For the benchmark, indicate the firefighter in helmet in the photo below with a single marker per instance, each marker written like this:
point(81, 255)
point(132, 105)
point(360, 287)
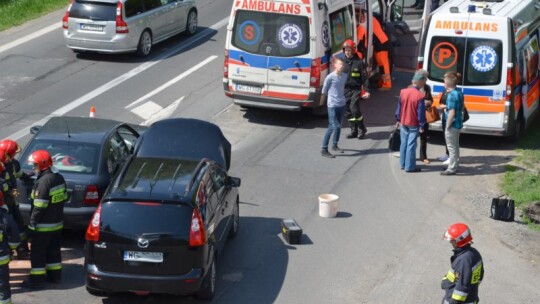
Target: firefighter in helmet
point(46, 221)
point(9, 240)
point(467, 269)
point(14, 172)
point(356, 87)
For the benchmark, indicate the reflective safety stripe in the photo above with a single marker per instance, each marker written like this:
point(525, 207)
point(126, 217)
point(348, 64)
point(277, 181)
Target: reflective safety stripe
point(38, 271)
point(352, 119)
point(446, 302)
point(41, 203)
point(13, 245)
point(6, 187)
point(58, 194)
point(450, 276)
point(355, 74)
point(459, 295)
point(1, 237)
point(48, 227)
point(476, 276)
point(4, 259)
point(54, 266)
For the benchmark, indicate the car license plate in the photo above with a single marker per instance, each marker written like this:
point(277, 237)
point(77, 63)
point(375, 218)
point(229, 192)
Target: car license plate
point(138, 256)
point(92, 27)
point(248, 89)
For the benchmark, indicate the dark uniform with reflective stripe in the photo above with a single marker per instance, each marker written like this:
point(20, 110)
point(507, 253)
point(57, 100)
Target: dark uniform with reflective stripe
point(9, 240)
point(14, 172)
point(463, 279)
point(46, 223)
point(357, 80)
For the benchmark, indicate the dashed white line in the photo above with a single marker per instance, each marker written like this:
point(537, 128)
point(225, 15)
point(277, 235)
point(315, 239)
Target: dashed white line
point(172, 81)
point(29, 37)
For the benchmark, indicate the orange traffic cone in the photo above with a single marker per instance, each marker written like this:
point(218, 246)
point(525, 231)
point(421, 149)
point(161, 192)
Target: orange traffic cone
point(92, 111)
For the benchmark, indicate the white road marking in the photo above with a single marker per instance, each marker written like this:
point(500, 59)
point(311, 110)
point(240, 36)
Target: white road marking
point(172, 81)
point(147, 109)
point(164, 113)
point(113, 83)
point(29, 37)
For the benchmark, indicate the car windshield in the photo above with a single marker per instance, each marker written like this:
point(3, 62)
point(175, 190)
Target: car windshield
point(271, 33)
point(479, 60)
point(67, 156)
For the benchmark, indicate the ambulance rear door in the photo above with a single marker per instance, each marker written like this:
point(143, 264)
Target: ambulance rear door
point(248, 63)
point(289, 56)
point(404, 27)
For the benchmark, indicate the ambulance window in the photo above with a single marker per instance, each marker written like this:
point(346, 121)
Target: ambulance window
point(271, 34)
point(480, 63)
point(484, 61)
point(341, 27)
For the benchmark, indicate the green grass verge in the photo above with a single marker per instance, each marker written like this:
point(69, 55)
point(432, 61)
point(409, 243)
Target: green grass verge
point(17, 12)
point(522, 180)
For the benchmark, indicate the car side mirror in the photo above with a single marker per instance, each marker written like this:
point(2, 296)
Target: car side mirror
point(35, 129)
point(397, 12)
point(234, 181)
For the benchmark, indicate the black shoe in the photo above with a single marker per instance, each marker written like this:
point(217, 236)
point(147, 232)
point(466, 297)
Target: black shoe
point(325, 153)
point(448, 172)
point(34, 286)
point(337, 149)
point(352, 135)
point(23, 254)
point(362, 134)
point(414, 170)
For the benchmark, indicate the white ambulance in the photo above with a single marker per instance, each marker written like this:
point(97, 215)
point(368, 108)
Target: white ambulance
point(278, 52)
point(494, 44)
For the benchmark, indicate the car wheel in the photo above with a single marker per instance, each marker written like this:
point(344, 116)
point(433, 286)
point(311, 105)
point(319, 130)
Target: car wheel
point(97, 293)
point(191, 26)
point(209, 284)
point(236, 221)
point(145, 44)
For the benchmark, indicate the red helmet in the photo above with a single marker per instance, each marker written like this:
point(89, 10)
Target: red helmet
point(42, 158)
point(10, 146)
point(3, 155)
point(459, 233)
point(349, 43)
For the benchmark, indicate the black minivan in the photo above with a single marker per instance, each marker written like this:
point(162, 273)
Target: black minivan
point(166, 216)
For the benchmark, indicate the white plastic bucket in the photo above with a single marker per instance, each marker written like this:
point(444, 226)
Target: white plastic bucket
point(328, 205)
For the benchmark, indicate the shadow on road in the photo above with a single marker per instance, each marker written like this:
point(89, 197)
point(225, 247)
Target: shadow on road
point(251, 269)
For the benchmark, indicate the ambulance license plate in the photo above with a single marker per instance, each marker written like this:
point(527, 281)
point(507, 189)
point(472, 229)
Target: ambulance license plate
point(138, 256)
point(248, 89)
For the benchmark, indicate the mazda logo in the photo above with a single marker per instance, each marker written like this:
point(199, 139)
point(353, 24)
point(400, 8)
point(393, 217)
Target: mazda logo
point(143, 243)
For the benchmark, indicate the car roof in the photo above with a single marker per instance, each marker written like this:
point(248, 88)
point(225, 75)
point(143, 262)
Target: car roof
point(82, 129)
point(185, 138)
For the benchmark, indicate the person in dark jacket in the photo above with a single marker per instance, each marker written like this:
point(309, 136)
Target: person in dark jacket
point(46, 222)
point(9, 240)
point(411, 117)
point(428, 100)
point(14, 172)
point(467, 269)
point(356, 87)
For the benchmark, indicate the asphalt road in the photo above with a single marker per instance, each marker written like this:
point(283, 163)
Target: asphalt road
point(383, 247)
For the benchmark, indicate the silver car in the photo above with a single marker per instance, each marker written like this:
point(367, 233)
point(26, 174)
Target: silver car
point(121, 26)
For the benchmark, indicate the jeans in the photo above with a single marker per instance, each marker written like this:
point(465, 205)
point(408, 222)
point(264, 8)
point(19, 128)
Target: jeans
point(407, 149)
point(452, 142)
point(335, 116)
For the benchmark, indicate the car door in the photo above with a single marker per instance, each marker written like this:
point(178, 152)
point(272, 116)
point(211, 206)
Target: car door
point(181, 11)
point(129, 136)
point(404, 27)
point(211, 212)
point(116, 152)
point(223, 206)
point(156, 18)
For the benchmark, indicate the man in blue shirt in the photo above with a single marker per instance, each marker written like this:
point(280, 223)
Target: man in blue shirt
point(453, 115)
point(334, 89)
